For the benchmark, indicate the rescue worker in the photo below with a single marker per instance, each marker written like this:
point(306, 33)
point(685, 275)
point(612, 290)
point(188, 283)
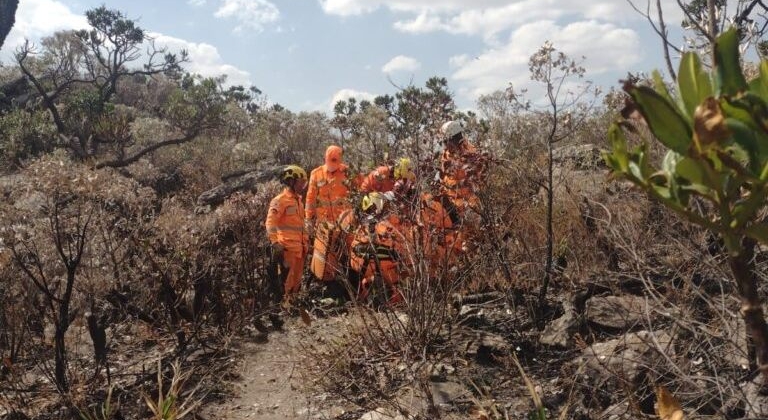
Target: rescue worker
point(461, 166)
point(327, 200)
point(427, 227)
point(383, 178)
point(375, 251)
point(328, 190)
point(285, 230)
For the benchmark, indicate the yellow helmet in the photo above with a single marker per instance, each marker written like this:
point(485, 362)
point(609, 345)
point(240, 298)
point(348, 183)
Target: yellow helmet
point(404, 169)
point(373, 199)
point(292, 172)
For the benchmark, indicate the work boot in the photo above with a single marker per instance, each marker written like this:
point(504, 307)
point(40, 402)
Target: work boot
point(277, 323)
point(262, 332)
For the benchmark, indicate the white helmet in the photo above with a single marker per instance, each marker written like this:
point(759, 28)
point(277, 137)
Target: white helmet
point(451, 129)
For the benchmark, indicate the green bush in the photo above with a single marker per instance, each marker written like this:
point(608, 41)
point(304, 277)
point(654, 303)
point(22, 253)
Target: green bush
point(715, 171)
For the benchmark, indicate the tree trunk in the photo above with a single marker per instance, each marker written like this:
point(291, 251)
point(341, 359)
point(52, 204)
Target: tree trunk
point(169, 298)
point(60, 357)
point(665, 42)
point(550, 231)
point(743, 268)
point(7, 18)
point(62, 325)
point(711, 26)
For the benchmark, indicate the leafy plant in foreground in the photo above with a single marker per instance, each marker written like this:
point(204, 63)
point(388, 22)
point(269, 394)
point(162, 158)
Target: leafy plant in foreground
point(716, 131)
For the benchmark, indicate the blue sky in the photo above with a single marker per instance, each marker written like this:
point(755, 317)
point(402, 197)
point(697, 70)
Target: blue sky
point(304, 54)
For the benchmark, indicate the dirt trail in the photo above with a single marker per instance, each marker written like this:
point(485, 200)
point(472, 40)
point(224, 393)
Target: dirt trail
point(270, 384)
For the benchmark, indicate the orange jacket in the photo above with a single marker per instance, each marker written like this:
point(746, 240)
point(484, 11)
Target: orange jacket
point(387, 239)
point(454, 166)
point(385, 250)
point(431, 226)
point(433, 215)
point(285, 222)
point(379, 179)
point(327, 194)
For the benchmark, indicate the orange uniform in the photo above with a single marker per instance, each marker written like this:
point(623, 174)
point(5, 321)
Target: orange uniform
point(332, 241)
point(378, 248)
point(432, 228)
point(285, 226)
point(327, 194)
point(380, 179)
point(458, 182)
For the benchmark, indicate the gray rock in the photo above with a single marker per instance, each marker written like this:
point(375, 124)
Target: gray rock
point(619, 411)
point(620, 312)
point(625, 356)
point(484, 345)
point(559, 331)
point(247, 183)
point(445, 396)
point(381, 414)
point(444, 393)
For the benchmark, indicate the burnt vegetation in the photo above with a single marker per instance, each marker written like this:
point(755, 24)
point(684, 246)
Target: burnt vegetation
point(133, 255)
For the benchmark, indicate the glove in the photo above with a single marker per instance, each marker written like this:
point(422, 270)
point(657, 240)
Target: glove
point(277, 250)
point(309, 227)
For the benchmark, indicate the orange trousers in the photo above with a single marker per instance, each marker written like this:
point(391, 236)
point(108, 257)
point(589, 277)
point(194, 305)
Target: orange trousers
point(293, 261)
point(389, 274)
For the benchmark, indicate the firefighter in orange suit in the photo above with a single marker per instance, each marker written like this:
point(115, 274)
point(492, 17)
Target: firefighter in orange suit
point(383, 178)
point(460, 168)
point(427, 227)
point(380, 179)
point(375, 251)
point(285, 229)
point(328, 190)
point(327, 200)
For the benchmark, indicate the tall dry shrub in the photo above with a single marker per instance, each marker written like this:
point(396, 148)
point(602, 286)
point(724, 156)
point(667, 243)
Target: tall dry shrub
point(206, 270)
point(60, 234)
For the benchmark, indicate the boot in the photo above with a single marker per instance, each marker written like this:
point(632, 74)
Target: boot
point(277, 322)
point(262, 332)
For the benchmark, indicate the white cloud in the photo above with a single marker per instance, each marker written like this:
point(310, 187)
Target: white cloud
point(348, 7)
point(458, 60)
point(252, 14)
point(488, 18)
point(204, 59)
point(401, 63)
point(196, 2)
point(345, 94)
point(356, 7)
point(424, 22)
point(498, 66)
point(36, 19)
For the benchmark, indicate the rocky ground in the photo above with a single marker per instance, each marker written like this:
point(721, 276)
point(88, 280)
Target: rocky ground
point(599, 358)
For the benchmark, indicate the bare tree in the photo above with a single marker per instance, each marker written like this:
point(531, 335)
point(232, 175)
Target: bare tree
point(703, 21)
point(566, 109)
point(7, 17)
point(77, 75)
